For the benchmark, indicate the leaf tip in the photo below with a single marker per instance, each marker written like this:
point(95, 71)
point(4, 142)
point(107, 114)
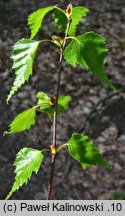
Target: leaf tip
point(5, 132)
point(8, 195)
point(7, 100)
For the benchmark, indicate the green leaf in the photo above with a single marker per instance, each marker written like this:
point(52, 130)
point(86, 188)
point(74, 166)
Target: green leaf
point(23, 55)
point(89, 51)
point(61, 19)
point(35, 19)
point(43, 100)
point(63, 102)
point(28, 160)
point(23, 121)
point(77, 15)
point(82, 149)
point(46, 105)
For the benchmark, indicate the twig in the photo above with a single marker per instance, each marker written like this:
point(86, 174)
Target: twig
point(53, 146)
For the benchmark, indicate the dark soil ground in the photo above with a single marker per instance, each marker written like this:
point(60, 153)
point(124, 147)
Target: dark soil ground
point(95, 110)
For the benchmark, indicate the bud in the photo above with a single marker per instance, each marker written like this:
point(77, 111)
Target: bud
point(57, 40)
point(69, 10)
point(53, 149)
point(53, 100)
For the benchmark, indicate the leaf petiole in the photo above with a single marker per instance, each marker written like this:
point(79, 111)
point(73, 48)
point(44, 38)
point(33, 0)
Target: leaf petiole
point(62, 146)
point(36, 106)
point(46, 40)
point(46, 150)
point(74, 38)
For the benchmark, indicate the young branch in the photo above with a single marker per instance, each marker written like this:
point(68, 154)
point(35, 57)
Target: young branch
point(54, 146)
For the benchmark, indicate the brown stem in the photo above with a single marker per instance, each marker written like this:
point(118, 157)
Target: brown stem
point(55, 115)
point(51, 176)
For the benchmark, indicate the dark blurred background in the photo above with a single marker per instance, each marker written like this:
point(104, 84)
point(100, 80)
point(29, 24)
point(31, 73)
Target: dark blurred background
point(95, 110)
